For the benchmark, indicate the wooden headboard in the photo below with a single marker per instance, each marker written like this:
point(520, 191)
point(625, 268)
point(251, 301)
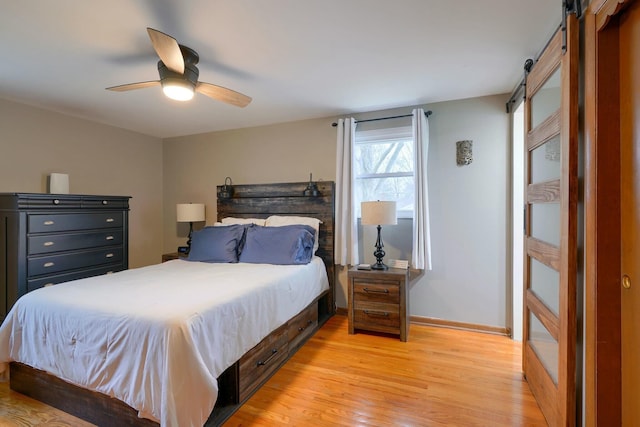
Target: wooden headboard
point(263, 200)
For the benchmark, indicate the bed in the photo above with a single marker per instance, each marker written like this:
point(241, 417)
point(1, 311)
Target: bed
point(238, 345)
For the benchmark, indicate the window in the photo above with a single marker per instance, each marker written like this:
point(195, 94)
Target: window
point(383, 167)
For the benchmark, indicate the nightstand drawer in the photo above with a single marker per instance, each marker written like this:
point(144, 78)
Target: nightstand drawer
point(381, 318)
point(368, 290)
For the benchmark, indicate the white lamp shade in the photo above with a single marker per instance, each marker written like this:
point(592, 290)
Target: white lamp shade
point(379, 213)
point(190, 212)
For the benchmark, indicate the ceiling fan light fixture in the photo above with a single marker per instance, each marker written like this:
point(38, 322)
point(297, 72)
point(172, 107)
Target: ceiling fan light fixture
point(178, 90)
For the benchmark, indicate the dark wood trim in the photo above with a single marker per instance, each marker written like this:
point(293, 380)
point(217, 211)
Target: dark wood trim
point(544, 252)
point(603, 366)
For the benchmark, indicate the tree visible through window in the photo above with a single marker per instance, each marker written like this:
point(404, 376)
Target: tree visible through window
point(383, 167)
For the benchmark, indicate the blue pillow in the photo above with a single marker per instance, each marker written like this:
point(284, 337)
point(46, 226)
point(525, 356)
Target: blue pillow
point(289, 244)
point(216, 244)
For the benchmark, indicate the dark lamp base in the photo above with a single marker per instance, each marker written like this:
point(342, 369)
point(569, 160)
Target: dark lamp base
point(379, 266)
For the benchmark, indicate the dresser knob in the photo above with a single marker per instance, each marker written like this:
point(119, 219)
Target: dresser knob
point(104, 202)
point(48, 244)
point(109, 255)
point(109, 238)
point(56, 201)
point(48, 223)
point(48, 264)
point(109, 219)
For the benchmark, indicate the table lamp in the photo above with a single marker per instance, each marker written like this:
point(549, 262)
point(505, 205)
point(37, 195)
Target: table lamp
point(190, 212)
point(379, 213)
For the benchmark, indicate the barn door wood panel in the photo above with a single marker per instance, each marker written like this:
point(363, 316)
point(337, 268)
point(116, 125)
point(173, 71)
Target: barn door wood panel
point(551, 120)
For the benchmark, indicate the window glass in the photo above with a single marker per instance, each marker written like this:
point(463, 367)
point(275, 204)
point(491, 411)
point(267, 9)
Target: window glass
point(383, 167)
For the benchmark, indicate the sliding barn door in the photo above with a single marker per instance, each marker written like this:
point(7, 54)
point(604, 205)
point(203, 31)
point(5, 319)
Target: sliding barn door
point(549, 339)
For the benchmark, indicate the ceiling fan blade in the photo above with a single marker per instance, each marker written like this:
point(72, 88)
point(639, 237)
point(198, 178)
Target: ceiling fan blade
point(132, 86)
point(167, 49)
point(223, 94)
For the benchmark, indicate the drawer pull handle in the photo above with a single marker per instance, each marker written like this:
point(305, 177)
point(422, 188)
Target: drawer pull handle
point(48, 284)
point(48, 222)
point(48, 243)
point(268, 359)
point(109, 238)
point(376, 313)
point(377, 291)
point(56, 201)
point(109, 255)
point(110, 219)
point(104, 202)
point(302, 328)
point(48, 264)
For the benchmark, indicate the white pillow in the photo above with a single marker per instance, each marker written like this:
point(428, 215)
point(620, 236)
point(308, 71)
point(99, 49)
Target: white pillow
point(277, 221)
point(231, 220)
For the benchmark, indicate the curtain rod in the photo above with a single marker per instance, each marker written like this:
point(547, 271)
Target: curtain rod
point(426, 113)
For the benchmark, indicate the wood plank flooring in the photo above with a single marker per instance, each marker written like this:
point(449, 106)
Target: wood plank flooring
point(439, 377)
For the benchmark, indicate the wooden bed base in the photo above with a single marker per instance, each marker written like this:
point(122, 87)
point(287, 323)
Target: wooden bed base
point(242, 379)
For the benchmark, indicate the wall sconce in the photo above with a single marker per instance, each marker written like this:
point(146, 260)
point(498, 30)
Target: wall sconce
point(189, 212)
point(226, 191)
point(312, 188)
point(379, 213)
point(464, 152)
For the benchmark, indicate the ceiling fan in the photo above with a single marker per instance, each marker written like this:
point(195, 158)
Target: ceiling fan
point(179, 74)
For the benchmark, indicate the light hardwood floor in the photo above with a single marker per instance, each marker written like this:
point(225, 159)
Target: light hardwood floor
point(439, 377)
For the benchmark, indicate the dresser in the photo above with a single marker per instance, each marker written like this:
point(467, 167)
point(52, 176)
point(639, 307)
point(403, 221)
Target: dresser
point(379, 301)
point(47, 239)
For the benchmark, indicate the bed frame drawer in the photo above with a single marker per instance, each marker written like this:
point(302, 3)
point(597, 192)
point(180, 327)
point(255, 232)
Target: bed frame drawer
point(302, 326)
point(258, 363)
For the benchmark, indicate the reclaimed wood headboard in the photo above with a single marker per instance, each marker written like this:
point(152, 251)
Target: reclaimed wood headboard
point(263, 200)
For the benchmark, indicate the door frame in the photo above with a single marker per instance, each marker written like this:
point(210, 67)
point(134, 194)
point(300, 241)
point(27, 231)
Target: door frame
point(603, 345)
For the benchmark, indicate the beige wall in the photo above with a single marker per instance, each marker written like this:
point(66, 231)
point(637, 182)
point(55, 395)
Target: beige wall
point(99, 160)
point(195, 165)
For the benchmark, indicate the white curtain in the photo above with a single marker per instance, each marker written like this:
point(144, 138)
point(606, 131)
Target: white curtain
point(346, 235)
point(421, 256)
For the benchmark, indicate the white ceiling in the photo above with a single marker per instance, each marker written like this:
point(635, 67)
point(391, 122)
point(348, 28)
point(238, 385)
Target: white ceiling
point(297, 59)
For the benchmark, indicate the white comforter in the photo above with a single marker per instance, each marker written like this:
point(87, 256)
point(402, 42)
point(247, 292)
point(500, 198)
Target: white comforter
point(157, 337)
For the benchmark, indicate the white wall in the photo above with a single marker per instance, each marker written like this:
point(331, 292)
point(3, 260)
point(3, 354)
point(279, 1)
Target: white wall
point(469, 215)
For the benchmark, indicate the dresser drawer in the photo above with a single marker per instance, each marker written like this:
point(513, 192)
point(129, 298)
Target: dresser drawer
point(368, 290)
point(259, 362)
point(105, 203)
point(54, 279)
point(73, 260)
point(43, 244)
point(303, 325)
point(45, 223)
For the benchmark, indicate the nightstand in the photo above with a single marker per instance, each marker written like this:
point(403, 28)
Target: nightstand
point(378, 301)
point(173, 255)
